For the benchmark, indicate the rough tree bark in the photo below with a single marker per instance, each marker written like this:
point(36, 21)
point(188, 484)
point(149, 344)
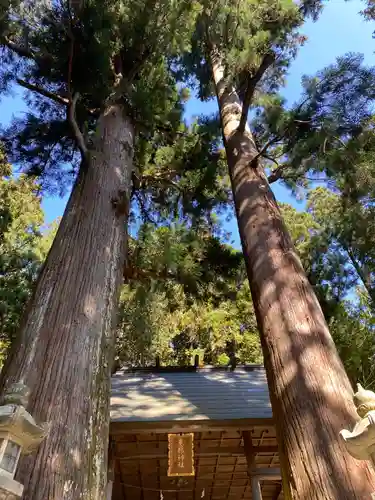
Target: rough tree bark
point(65, 348)
point(310, 392)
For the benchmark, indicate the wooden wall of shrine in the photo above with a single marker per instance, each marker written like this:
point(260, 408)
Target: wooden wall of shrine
point(221, 458)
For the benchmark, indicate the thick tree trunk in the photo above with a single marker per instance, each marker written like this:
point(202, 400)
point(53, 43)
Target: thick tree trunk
point(65, 348)
point(310, 393)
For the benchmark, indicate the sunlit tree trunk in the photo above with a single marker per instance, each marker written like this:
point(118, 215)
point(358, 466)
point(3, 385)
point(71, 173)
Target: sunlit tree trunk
point(310, 392)
point(65, 348)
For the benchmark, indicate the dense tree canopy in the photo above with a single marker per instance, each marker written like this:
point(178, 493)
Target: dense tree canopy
point(185, 293)
point(180, 172)
point(22, 245)
point(190, 298)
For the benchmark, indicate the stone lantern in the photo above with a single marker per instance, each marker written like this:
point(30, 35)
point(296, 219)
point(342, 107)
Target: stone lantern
point(19, 434)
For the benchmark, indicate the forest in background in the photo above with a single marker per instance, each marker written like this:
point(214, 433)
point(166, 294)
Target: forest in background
point(186, 291)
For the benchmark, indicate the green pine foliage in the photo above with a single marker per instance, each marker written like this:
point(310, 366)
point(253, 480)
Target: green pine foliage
point(329, 136)
point(352, 329)
point(329, 132)
point(101, 51)
point(186, 295)
point(179, 170)
point(181, 175)
point(255, 40)
point(23, 247)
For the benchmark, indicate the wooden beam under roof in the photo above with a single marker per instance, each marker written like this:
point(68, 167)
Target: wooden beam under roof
point(211, 451)
point(161, 427)
point(146, 474)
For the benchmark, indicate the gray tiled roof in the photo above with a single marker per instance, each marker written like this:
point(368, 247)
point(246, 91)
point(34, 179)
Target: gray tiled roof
point(206, 394)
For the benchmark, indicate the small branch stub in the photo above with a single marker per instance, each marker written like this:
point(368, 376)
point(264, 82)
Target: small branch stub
point(360, 443)
point(121, 203)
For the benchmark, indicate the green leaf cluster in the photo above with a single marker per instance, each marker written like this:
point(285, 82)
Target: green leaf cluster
point(188, 297)
point(23, 247)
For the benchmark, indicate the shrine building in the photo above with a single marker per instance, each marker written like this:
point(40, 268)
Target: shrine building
point(192, 433)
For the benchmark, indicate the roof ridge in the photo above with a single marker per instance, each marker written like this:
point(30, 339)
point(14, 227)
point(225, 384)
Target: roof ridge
point(189, 369)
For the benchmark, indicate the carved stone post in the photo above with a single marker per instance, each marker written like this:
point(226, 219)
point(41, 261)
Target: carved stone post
point(19, 433)
point(360, 443)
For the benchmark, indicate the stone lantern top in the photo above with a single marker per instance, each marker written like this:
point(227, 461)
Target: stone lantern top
point(19, 433)
point(17, 422)
point(17, 394)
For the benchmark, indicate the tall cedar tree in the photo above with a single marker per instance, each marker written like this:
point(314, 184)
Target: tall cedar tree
point(94, 69)
point(241, 49)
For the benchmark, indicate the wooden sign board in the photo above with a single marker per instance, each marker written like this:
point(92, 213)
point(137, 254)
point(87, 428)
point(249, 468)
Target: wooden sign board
point(181, 455)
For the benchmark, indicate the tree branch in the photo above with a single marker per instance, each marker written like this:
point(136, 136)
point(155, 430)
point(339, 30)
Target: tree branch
point(139, 62)
point(252, 82)
point(18, 49)
point(49, 154)
point(314, 180)
point(238, 23)
point(73, 123)
point(357, 267)
point(270, 158)
point(276, 174)
point(144, 212)
point(150, 180)
point(263, 151)
point(44, 92)
point(50, 95)
point(226, 31)
point(23, 51)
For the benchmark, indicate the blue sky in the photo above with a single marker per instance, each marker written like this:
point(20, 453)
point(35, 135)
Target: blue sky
point(340, 29)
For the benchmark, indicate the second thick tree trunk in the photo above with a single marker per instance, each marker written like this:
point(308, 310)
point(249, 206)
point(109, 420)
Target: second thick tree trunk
point(65, 347)
point(310, 392)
